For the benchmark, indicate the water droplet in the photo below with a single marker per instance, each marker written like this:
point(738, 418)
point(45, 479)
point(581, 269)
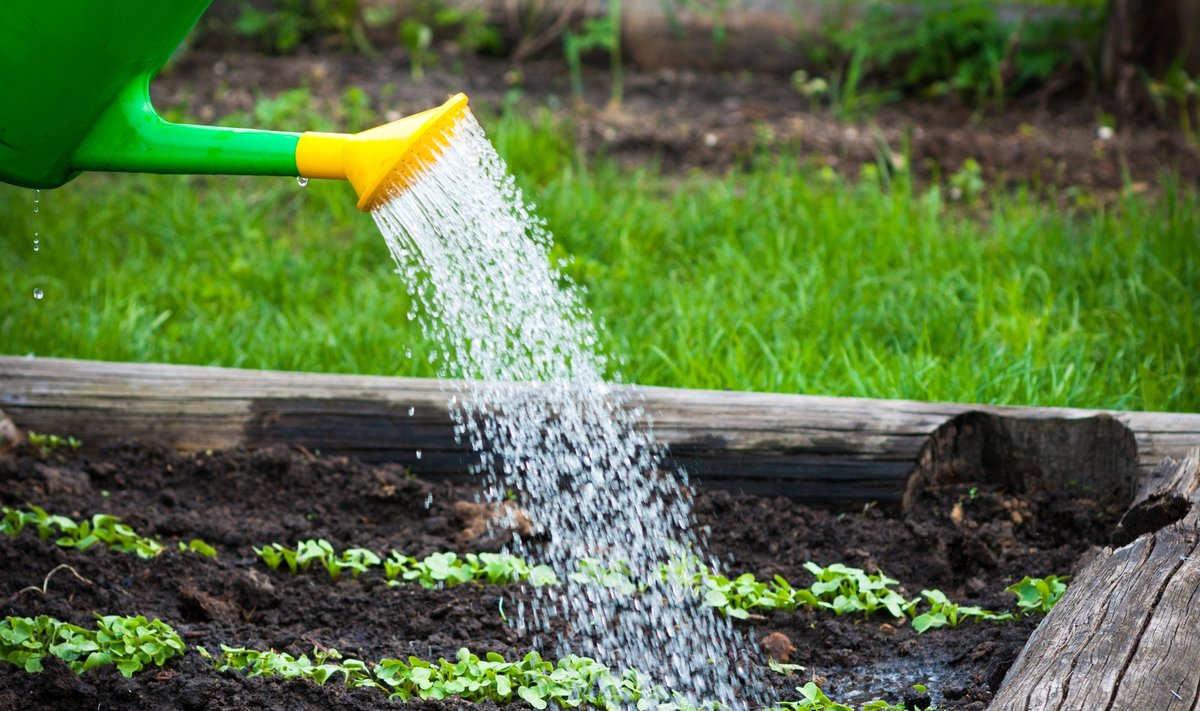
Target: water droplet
point(418, 454)
point(37, 245)
point(408, 353)
point(429, 501)
point(38, 293)
point(301, 181)
point(37, 197)
point(411, 411)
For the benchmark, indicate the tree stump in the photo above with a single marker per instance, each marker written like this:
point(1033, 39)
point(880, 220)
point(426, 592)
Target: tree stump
point(1124, 636)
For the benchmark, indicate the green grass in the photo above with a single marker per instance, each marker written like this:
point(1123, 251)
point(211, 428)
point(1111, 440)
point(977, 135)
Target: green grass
point(778, 278)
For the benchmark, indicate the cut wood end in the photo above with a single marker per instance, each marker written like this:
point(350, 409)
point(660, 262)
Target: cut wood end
point(1169, 495)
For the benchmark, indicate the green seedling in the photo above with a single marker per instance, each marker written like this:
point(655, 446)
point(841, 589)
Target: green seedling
point(325, 665)
point(102, 528)
point(782, 668)
point(435, 570)
point(571, 682)
point(812, 699)
point(198, 547)
point(47, 443)
point(275, 554)
point(357, 561)
point(1038, 594)
point(614, 576)
point(441, 569)
point(943, 613)
point(844, 589)
point(737, 597)
point(396, 565)
point(838, 588)
point(129, 643)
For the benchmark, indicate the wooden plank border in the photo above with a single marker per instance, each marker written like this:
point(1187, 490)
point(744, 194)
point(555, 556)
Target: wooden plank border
point(820, 449)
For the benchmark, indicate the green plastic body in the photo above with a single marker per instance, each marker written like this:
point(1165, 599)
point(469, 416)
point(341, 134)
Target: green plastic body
point(74, 79)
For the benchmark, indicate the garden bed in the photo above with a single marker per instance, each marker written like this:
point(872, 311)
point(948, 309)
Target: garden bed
point(968, 541)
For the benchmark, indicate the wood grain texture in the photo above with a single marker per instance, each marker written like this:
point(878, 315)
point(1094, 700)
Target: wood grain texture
point(1124, 636)
point(822, 449)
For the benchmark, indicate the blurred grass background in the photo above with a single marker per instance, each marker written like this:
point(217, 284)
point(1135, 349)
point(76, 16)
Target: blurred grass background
point(776, 277)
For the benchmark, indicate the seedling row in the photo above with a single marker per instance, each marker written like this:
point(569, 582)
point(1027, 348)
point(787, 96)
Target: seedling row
point(838, 588)
point(132, 644)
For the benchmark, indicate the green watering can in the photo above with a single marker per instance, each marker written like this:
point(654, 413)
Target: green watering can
point(75, 78)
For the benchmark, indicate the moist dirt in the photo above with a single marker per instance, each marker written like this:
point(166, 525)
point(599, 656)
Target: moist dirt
point(971, 543)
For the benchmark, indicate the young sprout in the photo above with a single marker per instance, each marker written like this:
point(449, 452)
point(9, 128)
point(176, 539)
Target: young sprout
point(199, 547)
point(47, 443)
point(102, 528)
point(1038, 595)
point(129, 643)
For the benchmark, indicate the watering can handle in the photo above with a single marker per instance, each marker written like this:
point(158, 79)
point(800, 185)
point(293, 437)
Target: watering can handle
point(130, 136)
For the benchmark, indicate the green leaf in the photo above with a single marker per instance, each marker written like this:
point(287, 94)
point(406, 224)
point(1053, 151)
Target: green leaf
point(503, 686)
point(201, 548)
point(532, 697)
point(928, 620)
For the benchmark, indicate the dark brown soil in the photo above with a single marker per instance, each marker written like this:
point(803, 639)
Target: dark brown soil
point(971, 544)
point(682, 120)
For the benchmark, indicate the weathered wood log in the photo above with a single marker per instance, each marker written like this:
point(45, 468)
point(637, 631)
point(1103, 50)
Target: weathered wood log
point(821, 449)
point(1124, 634)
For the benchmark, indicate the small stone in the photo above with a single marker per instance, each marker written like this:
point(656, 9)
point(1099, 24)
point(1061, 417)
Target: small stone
point(64, 481)
point(482, 521)
point(777, 647)
point(976, 585)
point(10, 436)
point(255, 591)
point(956, 514)
point(199, 605)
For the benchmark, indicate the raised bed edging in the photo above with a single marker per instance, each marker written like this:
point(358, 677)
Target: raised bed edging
point(820, 449)
point(1124, 634)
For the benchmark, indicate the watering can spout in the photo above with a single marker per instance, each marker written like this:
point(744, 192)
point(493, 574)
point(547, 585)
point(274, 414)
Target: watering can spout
point(383, 160)
point(130, 136)
point(76, 98)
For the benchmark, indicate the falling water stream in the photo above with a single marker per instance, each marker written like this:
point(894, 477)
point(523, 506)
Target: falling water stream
point(530, 396)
